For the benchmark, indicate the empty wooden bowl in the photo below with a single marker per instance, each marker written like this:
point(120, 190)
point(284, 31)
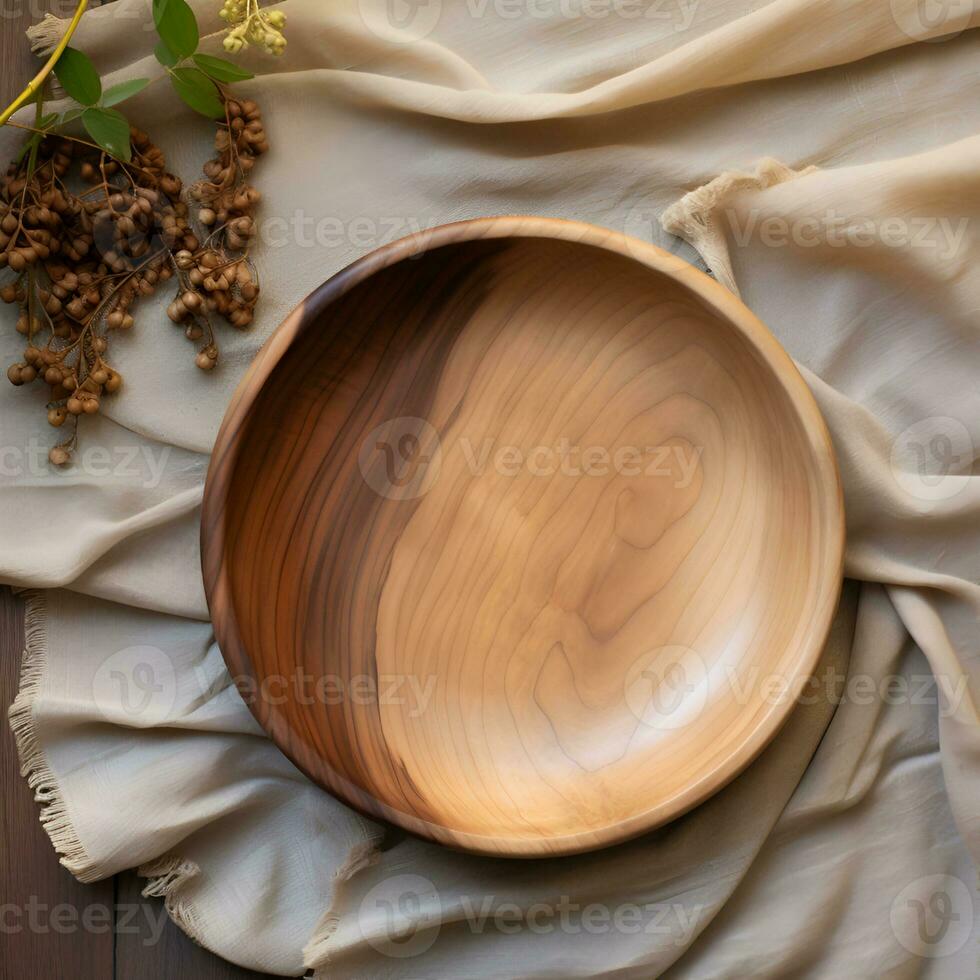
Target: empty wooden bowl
point(519, 534)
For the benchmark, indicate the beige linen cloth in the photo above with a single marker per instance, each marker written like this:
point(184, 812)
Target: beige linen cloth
point(822, 155)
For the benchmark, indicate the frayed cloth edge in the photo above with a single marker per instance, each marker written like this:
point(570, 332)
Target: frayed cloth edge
point(54, 815)
point(695, 216)
point(317, 952)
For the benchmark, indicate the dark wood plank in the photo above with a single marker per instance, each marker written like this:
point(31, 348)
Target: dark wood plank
point(51, 927)
point(17, 64)
point(145, 951)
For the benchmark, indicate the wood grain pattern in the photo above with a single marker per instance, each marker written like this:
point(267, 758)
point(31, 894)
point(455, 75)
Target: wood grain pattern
point(506, 525)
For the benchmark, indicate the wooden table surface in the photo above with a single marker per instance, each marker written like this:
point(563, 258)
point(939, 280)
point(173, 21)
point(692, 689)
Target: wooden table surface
point(52, 927)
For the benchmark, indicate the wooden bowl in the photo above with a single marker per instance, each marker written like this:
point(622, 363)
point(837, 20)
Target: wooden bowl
point(515, 531)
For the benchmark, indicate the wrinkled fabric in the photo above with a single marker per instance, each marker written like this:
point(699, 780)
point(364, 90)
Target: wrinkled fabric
point(849, 847)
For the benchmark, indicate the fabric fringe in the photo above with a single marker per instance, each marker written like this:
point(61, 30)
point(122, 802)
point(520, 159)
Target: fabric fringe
point(694, 216)
point(45, 35)
point(316, 953)
point(168, 875)
point(34, 767)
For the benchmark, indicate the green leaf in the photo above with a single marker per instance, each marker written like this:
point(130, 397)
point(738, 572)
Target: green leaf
point(110, 130)
point(45, 121)
point(177, 26)
point(164, 55)
point(198, 91)
point(78, 76)
point(70, 115)
point(218, 68)
point(124, 90)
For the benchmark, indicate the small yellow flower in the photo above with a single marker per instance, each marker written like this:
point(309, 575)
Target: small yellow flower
point(253, 26)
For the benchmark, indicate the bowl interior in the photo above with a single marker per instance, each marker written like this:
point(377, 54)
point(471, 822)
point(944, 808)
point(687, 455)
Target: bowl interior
point(516, 534)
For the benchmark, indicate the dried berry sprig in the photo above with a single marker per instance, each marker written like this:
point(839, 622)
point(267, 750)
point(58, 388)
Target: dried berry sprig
point(221, 277)
point(83, 259)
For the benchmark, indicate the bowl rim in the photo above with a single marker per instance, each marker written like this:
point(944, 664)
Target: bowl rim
point(728, 307)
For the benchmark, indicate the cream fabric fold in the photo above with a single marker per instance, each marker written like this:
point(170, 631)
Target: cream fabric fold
point(838, 120)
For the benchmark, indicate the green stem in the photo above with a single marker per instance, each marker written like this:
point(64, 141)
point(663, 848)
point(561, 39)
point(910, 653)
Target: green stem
point(31, 166)
point(36, 145)
point(38, 80)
